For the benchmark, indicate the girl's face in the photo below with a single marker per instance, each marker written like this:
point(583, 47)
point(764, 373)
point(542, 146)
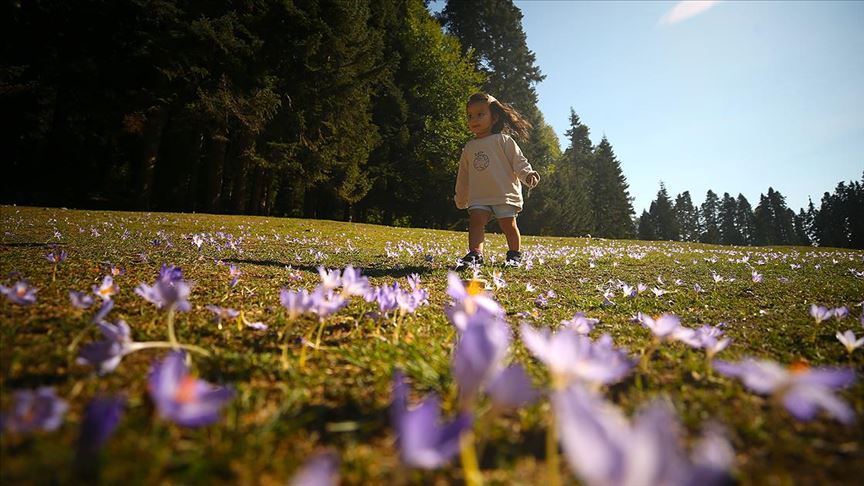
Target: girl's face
point(480, 119)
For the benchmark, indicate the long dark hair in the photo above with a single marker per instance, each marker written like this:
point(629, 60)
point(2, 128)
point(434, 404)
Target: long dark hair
point(509, 120)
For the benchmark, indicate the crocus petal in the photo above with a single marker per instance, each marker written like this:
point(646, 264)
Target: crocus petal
point(511, 388)
point(321, 470)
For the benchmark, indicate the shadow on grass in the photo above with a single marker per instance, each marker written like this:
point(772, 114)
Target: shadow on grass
point(30, 245)
point(393, 272)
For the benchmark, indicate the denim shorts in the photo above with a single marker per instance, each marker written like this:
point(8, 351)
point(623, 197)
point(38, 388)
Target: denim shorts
point(497, 210)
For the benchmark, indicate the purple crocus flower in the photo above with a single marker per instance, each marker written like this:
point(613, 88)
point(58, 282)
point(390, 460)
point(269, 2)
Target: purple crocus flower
point(33, 410)
point(413, 281)
point(56, 256)
point(469, 299)
point(169, 290)
point(756, 276)
point(479, 355)
point(330, 279)
point(234, 273)
point(170, 273)
point(511, 388)
point(105, 355)
point(628, 291)
point(101, 417)
point(296, 301)
point(423, 440)
point(222, 313)
point(802, 389)
point(107, 288)
point(325, 303)
point(840, 312)
point(80, 300)
point(820, 313)
point(321, 470)
point(21, 293)
point(662, 327)
point(103, 311)
point(604, 448)
point(353, 283)
point(182, 398)
point(572, 357)
point(580, 323)
point(848, 339)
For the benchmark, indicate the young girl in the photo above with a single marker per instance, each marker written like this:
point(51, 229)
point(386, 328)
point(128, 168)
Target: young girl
point(491, 171)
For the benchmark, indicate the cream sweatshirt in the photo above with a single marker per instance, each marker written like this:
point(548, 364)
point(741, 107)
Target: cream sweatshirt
point(491, 171)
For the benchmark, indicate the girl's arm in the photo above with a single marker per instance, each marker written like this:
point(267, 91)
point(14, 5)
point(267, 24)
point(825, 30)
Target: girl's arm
point(519, 162)
point(461, 197)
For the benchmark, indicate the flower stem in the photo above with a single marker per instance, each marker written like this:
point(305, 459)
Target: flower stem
point(172, 338)
point(320, 331)
point(470, 464)
point(284, 361)
point(166, 344)
point(552, 460)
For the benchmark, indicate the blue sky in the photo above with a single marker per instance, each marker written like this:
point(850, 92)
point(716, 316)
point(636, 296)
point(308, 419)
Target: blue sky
point(730, 96)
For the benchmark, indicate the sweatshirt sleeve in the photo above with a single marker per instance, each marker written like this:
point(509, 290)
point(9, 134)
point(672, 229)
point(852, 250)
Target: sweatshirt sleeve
point(518, 162)
point(461, 197)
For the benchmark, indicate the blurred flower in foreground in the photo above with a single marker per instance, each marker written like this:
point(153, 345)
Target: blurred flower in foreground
point(424, 442)
point(478, 362)
point(100, 420)
point(320, 470)
point(604, 448)
point(21, 293)
point(181, 397)
point(105, 355)
point(573, 357)
point(32, 410)
point(803, 390)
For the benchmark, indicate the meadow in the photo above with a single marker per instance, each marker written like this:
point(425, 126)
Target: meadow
point(300, 381)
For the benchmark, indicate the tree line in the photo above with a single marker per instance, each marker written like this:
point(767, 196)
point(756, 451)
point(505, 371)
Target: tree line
point(332, 109)
point(839, 221)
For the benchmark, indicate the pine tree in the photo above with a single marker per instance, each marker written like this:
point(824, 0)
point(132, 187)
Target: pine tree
point(613, 207)
point(783, 227)
point(729, 232)
point(710, 221)
point(763, 222)
point(563, 202)
point(663, 216)
point(646, 226)
point(744, 220)
point(800, 225)
point(687, 217)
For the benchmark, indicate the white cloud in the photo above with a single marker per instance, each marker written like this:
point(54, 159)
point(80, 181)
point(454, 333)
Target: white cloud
point(685, 9)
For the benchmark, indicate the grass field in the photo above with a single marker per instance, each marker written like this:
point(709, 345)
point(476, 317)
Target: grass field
point(282, 413)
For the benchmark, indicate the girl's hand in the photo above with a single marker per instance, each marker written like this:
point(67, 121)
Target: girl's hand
point(532, 180)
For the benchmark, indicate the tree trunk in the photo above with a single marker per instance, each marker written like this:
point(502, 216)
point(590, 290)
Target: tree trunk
point(242, 164)
point(216, 144)
point(154, 122)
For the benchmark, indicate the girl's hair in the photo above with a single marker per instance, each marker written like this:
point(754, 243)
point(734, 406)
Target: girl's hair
point(508, 118)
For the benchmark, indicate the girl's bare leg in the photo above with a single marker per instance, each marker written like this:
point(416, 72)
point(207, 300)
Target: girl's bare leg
point(511, 232)
point(477, 229)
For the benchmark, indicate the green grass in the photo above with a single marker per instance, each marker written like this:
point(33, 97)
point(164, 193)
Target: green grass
point(340, 399)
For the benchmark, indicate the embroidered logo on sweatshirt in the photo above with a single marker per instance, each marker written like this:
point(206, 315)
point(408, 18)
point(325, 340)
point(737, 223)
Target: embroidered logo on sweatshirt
point(481, 160)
